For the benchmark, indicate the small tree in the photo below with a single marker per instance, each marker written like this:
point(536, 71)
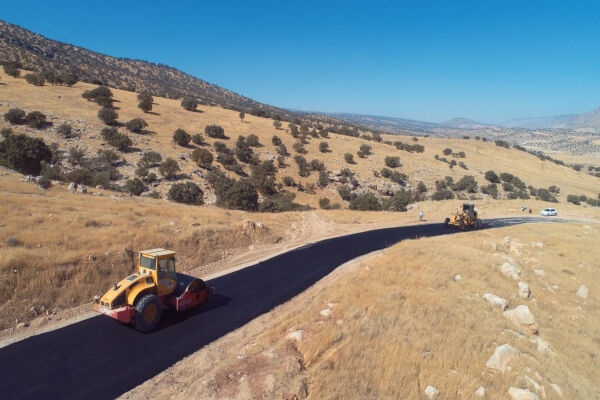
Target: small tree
point(198, 139)
point(323, 147)
point(169, 168)
point(120, 141)
point(24, 154)
point(242, 115)
point(189, 103)
point(421, 188)
point(468, 183)
point(108, 115)
point(11, 68)
point(6, 132)
point(181, 137)
point(252, 140)
point(277, 124)
point(392, 162)
point(35, 79)
point(492, 177)
point(70, 79)
point(15, 116)
point(136, 125)
point(299, 148)
point(186, 193)
point(323, 179)
point(349, 158)
point(36, 119)
point(506, 177)
point(364, 150)
point(202, 157)
point(146, 105)
point(275, 140)
point(365, 202)
point(135, 186)
point(215, 131)
point(447, 151)
point(282, 150)
point(65, 131)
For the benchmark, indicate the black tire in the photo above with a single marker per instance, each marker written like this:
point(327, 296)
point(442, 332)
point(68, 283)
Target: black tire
point(148, 312)
point(446, 222)
point(461, 225)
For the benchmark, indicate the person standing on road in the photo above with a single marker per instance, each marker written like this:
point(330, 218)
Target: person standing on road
point(420, 215)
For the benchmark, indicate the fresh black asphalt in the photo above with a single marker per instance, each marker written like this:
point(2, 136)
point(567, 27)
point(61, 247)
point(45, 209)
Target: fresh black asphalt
point(100, 359)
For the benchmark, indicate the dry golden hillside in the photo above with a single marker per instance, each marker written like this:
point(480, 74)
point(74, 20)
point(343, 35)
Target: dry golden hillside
point(65, 105)
point(416, 315)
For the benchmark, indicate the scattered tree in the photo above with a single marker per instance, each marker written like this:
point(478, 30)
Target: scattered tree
point(135, 186)
point(108, 115)
point(215, 131)
point(186, 193)
point(323, 147)
point(36, 119)
point(349, 158)
point(392, 162)
point(169, 168)
point(35, 79)
point(15, 116)
point(136, 125)
point(189, 103)
point(24, 154)
point(202, 157)
point(181, 137)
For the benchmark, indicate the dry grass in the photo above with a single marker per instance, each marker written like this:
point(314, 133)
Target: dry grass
point(400, 322)
point(66, 104)
point(50, 268)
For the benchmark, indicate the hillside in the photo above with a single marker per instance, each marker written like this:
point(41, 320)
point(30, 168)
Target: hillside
point(464, 123)
point(35, 52)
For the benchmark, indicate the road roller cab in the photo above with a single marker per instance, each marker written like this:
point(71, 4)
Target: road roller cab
point(140, 298)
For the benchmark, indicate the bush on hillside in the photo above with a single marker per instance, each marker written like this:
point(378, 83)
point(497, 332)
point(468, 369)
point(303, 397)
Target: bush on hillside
point(135, 186)
point(365, 202)
point(252, 141)
point(399, 201)
point(24, 154)
point(108, 115)
point(215, 131)
point(492, 177)
point(35, 79)
point(36, 119)
point(346, 193)
point(11, 68)
point(442, 194)
point(364, 150)
point(186, 193)
point(392, 162)
point(15, 116)
point(189, 103)
point(447, 151)
point(468, 183)
point(181, 137)
point(323, 147)
point(202, 157)
point(65, 131)
point(349, 158)
point(169, 168)
point(136, 125)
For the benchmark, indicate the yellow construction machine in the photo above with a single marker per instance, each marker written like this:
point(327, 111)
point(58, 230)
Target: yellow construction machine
point(468, 218)
point(140, 298)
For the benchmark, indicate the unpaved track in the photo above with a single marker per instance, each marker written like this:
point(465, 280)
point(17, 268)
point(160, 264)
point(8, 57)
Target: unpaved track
point(98, 358)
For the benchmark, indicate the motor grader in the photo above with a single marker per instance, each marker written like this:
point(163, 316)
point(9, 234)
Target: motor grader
point(468, 218)
point(140, 298)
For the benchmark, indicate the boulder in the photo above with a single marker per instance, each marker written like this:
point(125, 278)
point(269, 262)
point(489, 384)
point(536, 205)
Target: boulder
point(524, 290)
point(502, 357)
point(326, 312)
point(510, 271)
point(539, 272)
point(521, 394)
point(523, 318)
point(296, 335)
point(496, 301)
point(82, 189)
point(431, 392)
point(582, 292)
point(248, 226)
point(556, 389)
point(480, 392)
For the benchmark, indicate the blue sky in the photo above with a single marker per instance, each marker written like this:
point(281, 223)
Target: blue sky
point(485, 60)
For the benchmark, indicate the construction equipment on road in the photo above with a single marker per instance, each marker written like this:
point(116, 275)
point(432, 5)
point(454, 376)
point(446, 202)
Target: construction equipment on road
point(468, 218)
point(140, 298)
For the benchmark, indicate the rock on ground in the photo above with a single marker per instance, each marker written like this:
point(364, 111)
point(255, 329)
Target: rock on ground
point(496, 300)
point(431, 392)
point(502, 357)
point(582, 292)
point(524, 290)
point(480, 392)
point(522, 317)
point(557, 389)
point(521, 394)
point(296, 335)
point(510, 271)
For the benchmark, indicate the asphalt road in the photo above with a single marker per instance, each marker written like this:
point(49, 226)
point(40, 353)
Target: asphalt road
point(100, 359)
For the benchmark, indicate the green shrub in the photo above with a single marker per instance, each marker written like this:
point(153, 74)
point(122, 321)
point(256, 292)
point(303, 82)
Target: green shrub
point(491, 189)
point(282, 150)
point(317, 165)
point(365, 202)
point(324, 147)
point(11, 68)
point(275, 140)
point(108, 156)
point(36, 119)
point(421, 188)
point(281, 203)
point(24, 154)
point(506, 177)
point(136, 125)
point(447, 151)
point(468, 183)
point(501, 143)
point(186, 193)
point(15, 116)
point(44, 182)
point(252, 141)
point(303, 168)
point(463, 165)
point(202, 157)
point(323, 179)
point(261, 176)
point(76, 155)
point(554, 189)
point(181, 137)
point(65, 131)
point(169, 168)
point(135, 186)
point(364, 150)
point(399, 201)
point(545, 195)
point(189, 103)
point(215, 131)
point(508, 187)
point(325, 203)
point(277, 124)
point(241, 195)
point(492, 177)
point(35, 79)
point(392, 162)
point(6, 132)
point(198, 139)
point(108, 115)
point(346, 193)
point(299, 148)
point(349, 158)
point(146, 104)
point(114, 138)
point(442, 194)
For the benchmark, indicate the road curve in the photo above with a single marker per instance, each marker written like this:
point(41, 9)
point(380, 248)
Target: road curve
point(98, 358)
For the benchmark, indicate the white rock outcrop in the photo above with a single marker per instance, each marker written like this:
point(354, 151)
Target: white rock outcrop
point(502, 357)
point(480, 392)
point(510, 271)
point(582, 292)
point(296, 335)
point(431, 392)
point(556, 389)
point(326, 312)
point(496, 300)
point(524, 290)
point(521, 394)
point(523, 318)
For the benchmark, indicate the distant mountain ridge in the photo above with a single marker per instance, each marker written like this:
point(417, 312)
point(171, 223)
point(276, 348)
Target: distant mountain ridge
point(464, 123)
